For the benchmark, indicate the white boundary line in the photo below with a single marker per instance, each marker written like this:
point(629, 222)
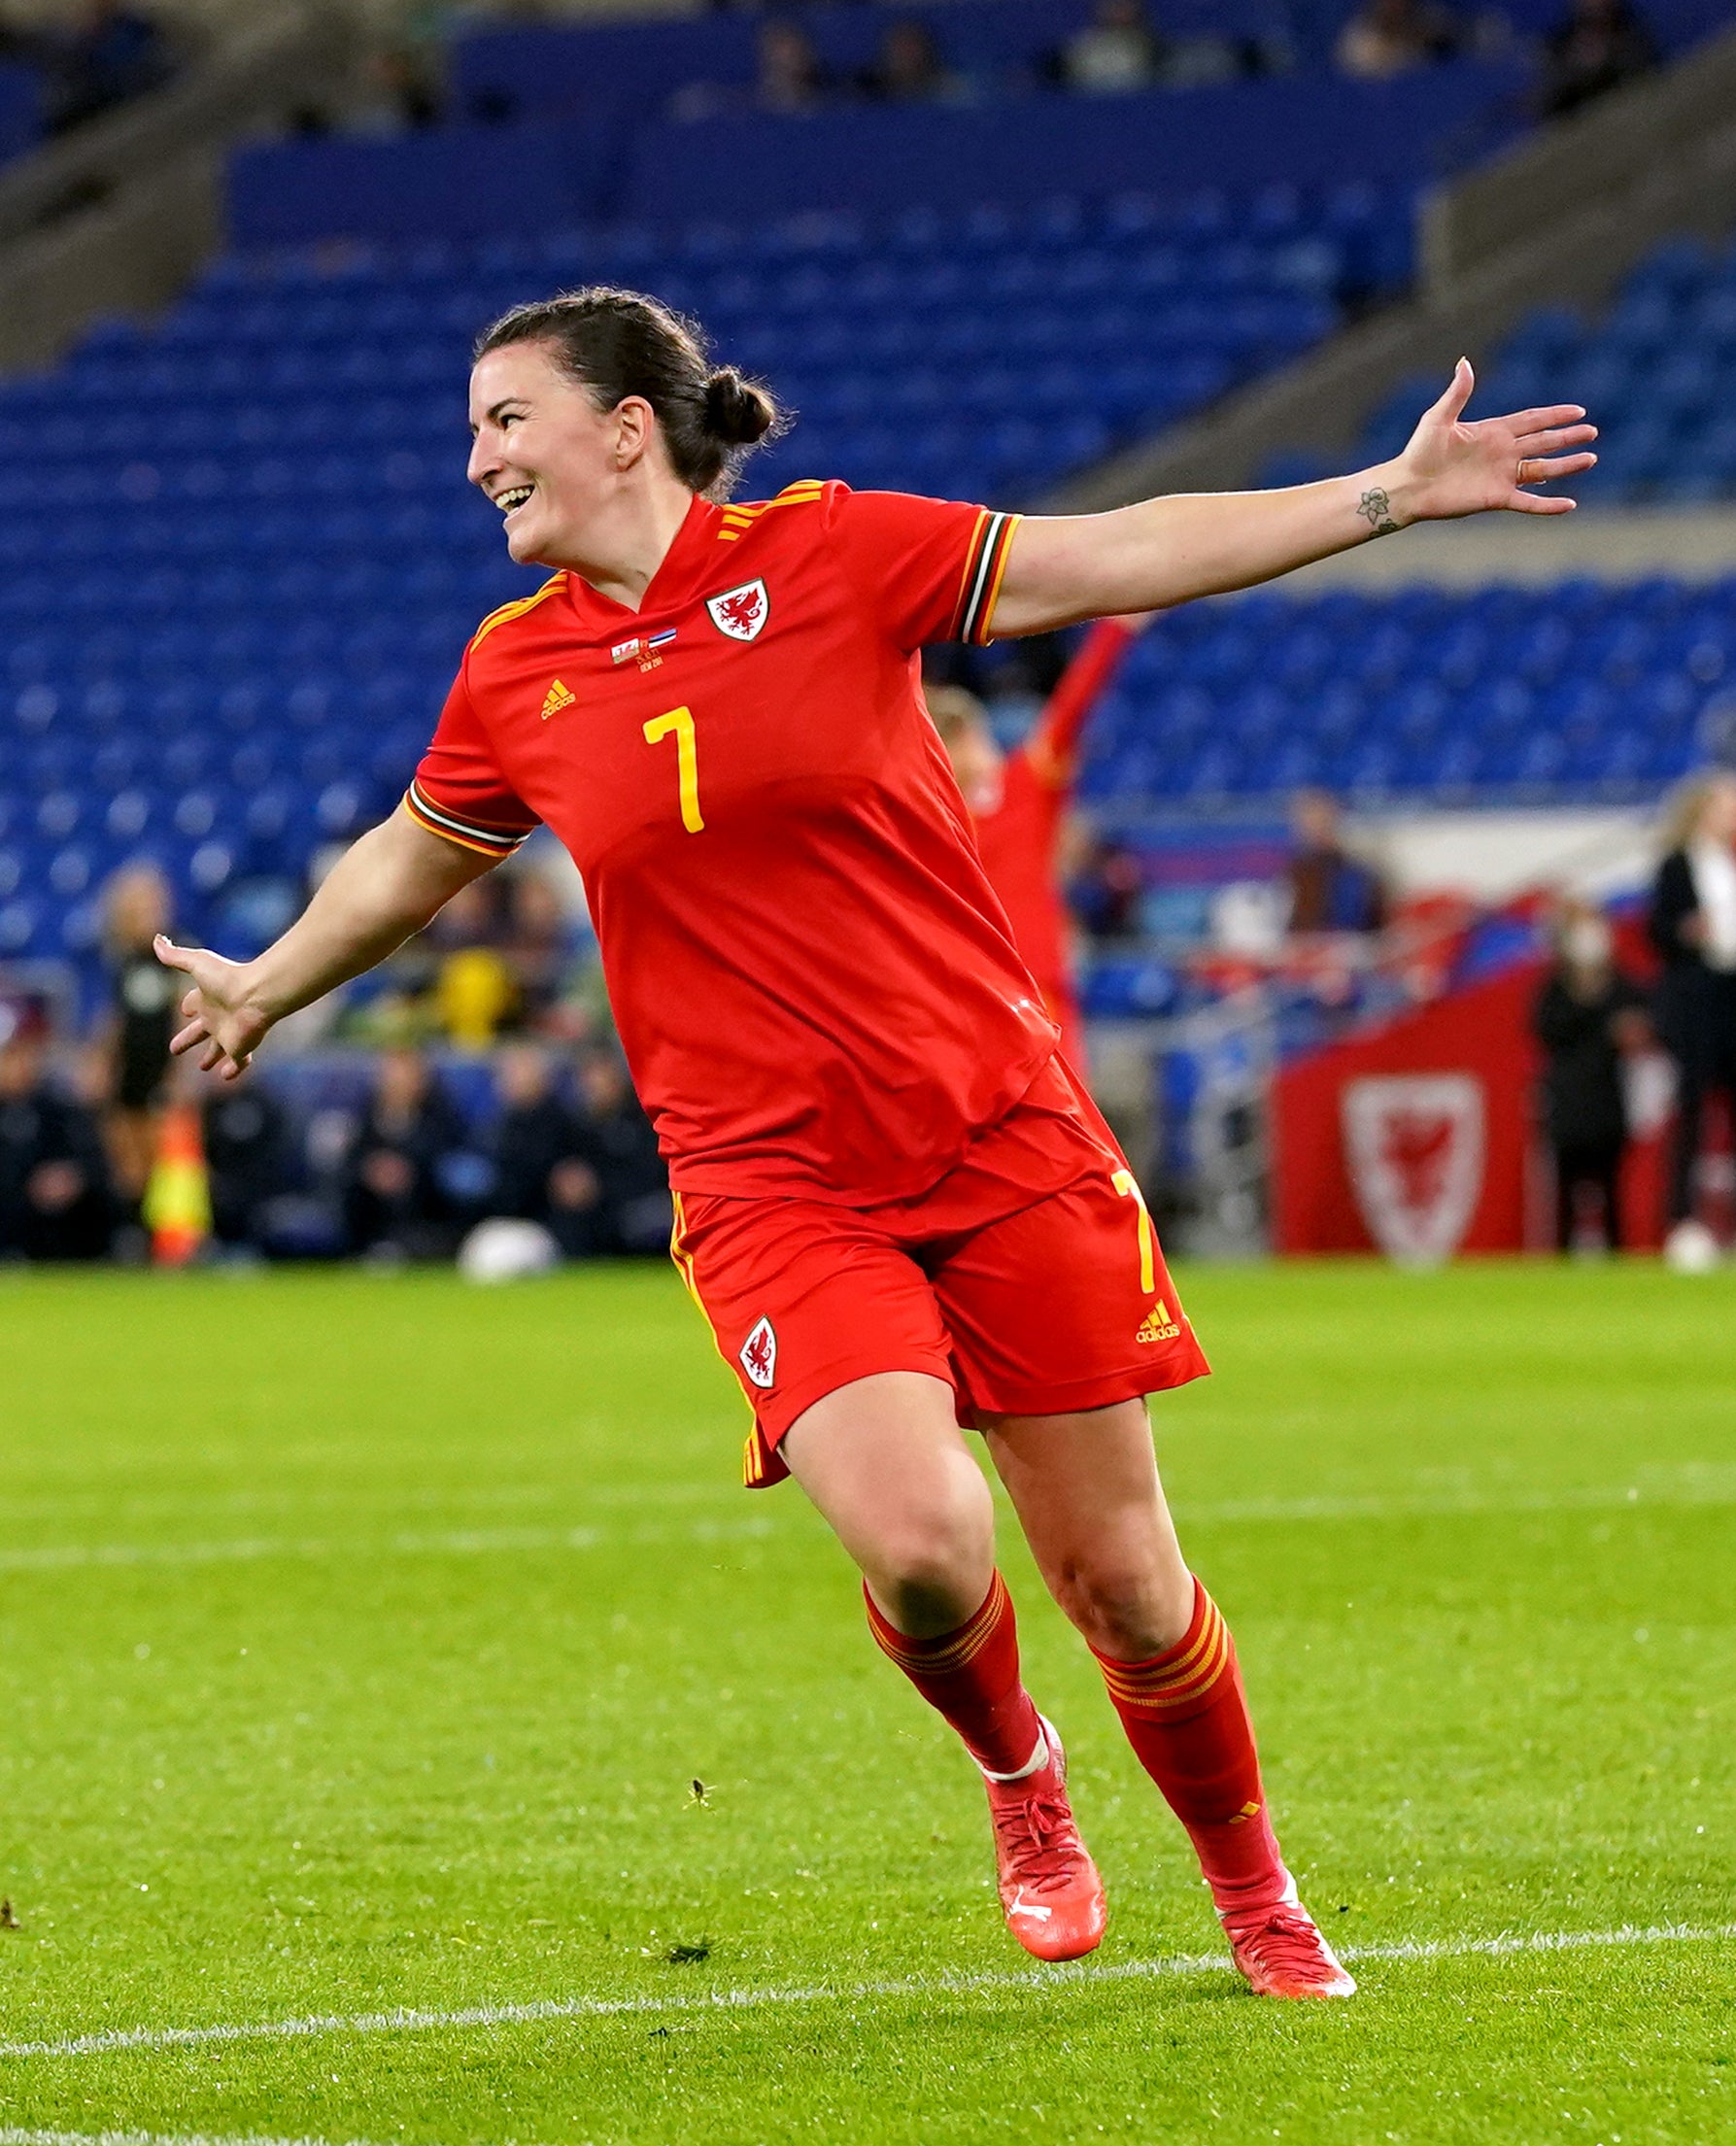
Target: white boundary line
point(471, 1542)
point(406, 2021)
point(18, 2137)
point(1700, 1487)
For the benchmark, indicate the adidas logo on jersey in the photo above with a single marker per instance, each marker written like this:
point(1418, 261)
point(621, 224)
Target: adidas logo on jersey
point(1157, 1324)
point(557, 698)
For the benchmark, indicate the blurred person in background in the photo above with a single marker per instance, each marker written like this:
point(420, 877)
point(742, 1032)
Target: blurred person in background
point(544, 1155)
point(135, 1031)
point(1117, 49)
point(1018, 804)
point(1330, 889)
point(1107, 892)
point(536, 947)
point(637, 1213)
point(474, 995)
point(1120, 48)
point(397, 1202)
point(53, 1182)
point(1692, 924)
point(1587, 1014)
point(245, 1133)
point(1385, 38)
point(114, 54)
point(909, 69)
point(1600, 45)
point(791, 77)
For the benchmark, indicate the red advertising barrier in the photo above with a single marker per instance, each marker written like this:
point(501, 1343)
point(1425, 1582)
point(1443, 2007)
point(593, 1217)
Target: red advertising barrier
point(1423, 1138)
point(1415, 1140)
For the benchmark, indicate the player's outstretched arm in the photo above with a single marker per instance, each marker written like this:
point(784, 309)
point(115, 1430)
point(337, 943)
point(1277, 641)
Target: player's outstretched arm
point(1061, 569)
point(385, 887)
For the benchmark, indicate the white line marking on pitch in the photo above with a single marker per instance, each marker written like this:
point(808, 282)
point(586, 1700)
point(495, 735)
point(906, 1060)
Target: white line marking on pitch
point(458, 1543)
point(407, 2021)
point(1690, 1486)
point(15, 2137)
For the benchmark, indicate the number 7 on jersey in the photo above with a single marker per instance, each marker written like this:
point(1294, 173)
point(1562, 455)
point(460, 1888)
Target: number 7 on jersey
point(679, 723)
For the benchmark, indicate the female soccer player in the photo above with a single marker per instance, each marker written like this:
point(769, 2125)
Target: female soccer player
point(895, 1204)
point(1018, 804)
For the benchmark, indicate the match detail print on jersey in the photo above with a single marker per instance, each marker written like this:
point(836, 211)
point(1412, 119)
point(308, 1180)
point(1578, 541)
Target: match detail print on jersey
point(740, 613)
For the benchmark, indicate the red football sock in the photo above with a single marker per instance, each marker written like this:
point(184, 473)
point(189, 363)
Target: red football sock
point(1186, 1717)
point(972, 1676)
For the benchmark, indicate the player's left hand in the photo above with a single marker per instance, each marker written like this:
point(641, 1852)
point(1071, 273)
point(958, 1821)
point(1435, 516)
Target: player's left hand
point(1454, 467)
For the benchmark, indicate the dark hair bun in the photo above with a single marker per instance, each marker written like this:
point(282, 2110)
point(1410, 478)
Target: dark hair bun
point(736, 412)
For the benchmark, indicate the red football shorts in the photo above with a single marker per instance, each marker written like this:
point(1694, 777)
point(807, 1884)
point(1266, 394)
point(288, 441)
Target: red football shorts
point(1030, 1277)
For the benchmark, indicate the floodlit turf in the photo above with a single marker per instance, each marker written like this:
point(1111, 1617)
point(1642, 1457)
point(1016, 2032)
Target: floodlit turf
point(363, 1637)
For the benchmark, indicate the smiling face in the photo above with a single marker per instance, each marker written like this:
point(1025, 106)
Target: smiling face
point(546, 455)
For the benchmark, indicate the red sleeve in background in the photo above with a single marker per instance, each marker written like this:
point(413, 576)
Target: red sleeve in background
point(460, 791)
point(1051, 747)
point(930, 568)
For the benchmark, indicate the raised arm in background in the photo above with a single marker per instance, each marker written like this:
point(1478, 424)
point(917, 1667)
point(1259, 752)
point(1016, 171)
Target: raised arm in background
point(385, 887)
point(1061, 569)
point(1056, 732)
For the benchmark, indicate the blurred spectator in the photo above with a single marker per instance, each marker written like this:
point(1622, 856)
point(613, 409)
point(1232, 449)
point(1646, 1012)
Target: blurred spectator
point(909, 69)
point(791, 77)
point(141, 1020)
point(1391, 37)
point(403, 94)
point(1330, 889)
point(1586, 1015)
point(474, 995)
point(1121, 50)
point(246, 1133)
point(1106, 894)
point(399, 1197)
point(54, 1185)
point(116, 53)
point(1601, 44)
point(637, 1214)
point(1692, 924)
point(543, 1157)
point(536, 946)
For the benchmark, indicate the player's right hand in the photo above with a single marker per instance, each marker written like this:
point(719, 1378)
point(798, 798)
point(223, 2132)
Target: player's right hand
point(221, 1024)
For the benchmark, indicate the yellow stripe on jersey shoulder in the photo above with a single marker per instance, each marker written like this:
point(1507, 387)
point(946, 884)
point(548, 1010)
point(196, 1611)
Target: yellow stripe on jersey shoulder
point(738, 519)
point(515, 609)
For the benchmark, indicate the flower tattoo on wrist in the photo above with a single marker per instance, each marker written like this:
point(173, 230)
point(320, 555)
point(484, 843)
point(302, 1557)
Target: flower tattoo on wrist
point(1376, 509)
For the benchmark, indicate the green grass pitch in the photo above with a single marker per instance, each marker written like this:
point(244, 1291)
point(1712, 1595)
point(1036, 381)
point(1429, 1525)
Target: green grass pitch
point(363, 1637)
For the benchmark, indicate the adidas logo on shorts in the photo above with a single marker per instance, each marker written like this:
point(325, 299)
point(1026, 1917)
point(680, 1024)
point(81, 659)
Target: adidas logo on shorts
point(1157, 1324)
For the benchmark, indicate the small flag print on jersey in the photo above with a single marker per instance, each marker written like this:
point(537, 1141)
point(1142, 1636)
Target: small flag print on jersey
point(759, 1355)
point(741, 614)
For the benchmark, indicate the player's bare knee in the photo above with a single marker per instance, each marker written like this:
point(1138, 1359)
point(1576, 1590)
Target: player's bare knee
point(1130, 1610)
point(933, 1567)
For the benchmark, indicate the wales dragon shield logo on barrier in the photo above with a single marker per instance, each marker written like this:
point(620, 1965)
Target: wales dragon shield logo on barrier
point(1416, 1145)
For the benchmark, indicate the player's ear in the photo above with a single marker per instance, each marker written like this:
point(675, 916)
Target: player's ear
point(635, 421)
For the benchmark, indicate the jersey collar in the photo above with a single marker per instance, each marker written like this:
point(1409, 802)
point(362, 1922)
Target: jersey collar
point(675, 582)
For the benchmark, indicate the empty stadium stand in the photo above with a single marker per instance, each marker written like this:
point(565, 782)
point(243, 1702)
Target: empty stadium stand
point(1657, 367)
point(228, 641)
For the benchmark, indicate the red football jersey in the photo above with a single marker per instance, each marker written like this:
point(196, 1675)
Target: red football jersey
point(1020, 837)
point(815, 986)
